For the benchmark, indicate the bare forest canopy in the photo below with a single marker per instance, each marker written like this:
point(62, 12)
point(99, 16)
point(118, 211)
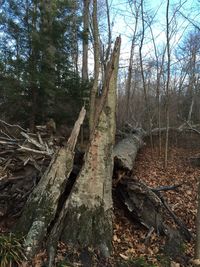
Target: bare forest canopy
point(44, 50)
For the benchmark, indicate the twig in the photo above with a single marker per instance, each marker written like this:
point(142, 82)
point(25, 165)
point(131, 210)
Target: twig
point(35, 151)
point(33, 141)
point(13, 125)
point(147, 238)
point(166, 188)
point(181, 225)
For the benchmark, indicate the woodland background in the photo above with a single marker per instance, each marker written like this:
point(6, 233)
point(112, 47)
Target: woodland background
point(59, 55)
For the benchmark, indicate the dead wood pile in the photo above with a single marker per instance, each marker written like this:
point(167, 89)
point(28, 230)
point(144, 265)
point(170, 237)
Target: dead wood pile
point(24, 157)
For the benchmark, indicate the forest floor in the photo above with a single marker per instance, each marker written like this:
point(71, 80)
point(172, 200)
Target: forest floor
point(129, 237)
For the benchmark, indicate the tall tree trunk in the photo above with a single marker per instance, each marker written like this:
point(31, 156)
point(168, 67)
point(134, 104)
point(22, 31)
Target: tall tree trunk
point(143, 79)
point(94, 89)
point(130, 66)
point(89, 207)
point(32, 67)
point(167, 86)
point(158, 81)
point(47, 68)
point(75, 37)
point(85, 39)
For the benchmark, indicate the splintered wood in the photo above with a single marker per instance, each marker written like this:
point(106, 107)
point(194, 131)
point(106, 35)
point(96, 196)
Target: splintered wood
point(24, 156)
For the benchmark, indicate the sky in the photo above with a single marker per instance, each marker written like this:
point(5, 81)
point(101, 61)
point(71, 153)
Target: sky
point(123, 23)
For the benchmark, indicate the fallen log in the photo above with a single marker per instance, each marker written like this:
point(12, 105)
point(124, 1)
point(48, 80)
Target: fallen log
point(149, 207)
point(126, 150)
point(41, 207)
point(143, 205)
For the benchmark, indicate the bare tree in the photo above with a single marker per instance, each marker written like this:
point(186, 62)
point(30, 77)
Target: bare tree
point(130, 66)
point(143, 77)
point(159, 70)
point(96, 45)
point(86, 4)
point(167, 83)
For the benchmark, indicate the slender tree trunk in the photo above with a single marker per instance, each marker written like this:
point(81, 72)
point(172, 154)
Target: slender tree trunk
point(108, 50)
point(94, 90)
point(130, 67)
point(75, 38)
point(158, 78)
point(143, 80)
point(167, 86)
point(86, 4)
point(33, 55)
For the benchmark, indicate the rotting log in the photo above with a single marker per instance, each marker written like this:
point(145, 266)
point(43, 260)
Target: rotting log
point(144, 204)
point(126, 150)
point(87, 214)
point(41, 207)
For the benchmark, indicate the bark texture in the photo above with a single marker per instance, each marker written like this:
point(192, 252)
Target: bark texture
point(42, 204)
point(89, 207)
point(96, 45)
point(126, 150)
point(86, 4)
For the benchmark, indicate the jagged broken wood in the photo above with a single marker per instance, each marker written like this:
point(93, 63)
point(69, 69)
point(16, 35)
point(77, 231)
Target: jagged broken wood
point(42, 204)
point(86, 218)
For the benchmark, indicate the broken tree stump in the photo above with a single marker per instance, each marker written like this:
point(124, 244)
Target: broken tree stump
point(87, 214)
point(41, 207)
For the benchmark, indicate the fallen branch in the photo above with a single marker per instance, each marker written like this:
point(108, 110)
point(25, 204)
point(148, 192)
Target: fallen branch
point(166, 188)
point(47, 153)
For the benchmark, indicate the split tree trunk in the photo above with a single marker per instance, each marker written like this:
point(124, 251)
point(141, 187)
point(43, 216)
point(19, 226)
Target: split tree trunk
point(42, 204)
point(88, 220)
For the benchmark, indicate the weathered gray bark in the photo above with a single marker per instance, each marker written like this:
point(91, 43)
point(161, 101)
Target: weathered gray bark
point(88, 220)
point(145, 204)
point(42, 204)
point(126, 150)
point(86, 4)
point(96, 45)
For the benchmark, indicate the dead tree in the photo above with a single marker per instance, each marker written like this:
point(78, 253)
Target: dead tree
point(86, 4)
point(94, 89)
point(89, 207)
point(41, 207)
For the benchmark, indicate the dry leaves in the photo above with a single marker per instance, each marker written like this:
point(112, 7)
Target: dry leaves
point(183, 202)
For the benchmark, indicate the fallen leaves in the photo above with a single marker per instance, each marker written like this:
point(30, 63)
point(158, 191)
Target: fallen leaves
point(183, 201)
